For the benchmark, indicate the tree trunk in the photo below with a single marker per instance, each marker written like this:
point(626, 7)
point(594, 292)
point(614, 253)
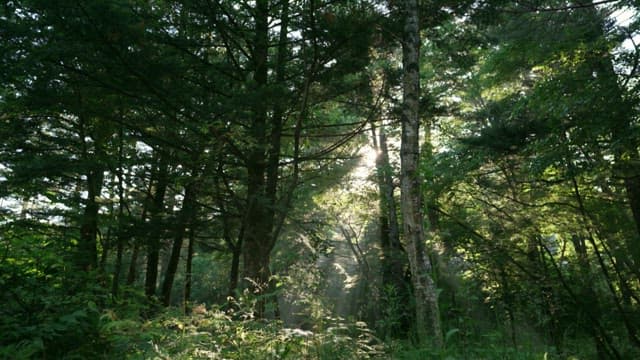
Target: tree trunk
point(188, 271)
point(393, 256)
point(262, 166)
point(121, 223)
point(234, 247)
point(426, 298)
point(115, 284)
point(236, 251)
point(87, 256)
point(132, 274)
point(106, 243)
point(184, 218)
point(155, 232)
point(549, 303)
point(394, 247)
point(589, 297)
point(87, 248)
point(386, 189)
point(256, 242)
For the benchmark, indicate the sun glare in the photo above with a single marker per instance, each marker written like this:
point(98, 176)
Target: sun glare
point(367, 163)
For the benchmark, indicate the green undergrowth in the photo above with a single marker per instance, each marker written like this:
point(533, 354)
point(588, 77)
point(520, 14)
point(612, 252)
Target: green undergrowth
point(78, 328)
point(489, 346)
point(480, 352)
point(214, 334)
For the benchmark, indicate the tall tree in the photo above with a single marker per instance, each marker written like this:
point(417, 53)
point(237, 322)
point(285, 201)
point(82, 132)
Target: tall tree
point(425, 292)
point(156, 199)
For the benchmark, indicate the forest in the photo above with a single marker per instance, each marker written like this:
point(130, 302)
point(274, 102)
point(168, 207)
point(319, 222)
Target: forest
point(319, 179)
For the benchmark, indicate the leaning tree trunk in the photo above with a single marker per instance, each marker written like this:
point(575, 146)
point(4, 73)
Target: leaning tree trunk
point(427, 312)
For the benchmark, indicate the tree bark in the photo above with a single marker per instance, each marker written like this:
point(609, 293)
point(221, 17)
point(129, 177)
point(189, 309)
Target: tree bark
point(386, 189)
point(590, 298)
point(153, 241)
point(87, 248)
point(234, 247)
point(121, 223)
point(426, 298)
point(256, 240)
point(115, 282)
point(236, 252)
point(106, 243)
point(132, 274)
point(263, 162)
point(393, 256)
point(187, 213)
point(188, 278)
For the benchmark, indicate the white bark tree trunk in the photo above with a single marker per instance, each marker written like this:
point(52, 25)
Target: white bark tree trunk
point(426, 298)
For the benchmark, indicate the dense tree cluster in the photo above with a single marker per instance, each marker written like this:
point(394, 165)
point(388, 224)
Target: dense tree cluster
point(164, 154)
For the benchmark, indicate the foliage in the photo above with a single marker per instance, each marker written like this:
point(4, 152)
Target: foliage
point(214, 334)
point(46, 309)
point(112, 112)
